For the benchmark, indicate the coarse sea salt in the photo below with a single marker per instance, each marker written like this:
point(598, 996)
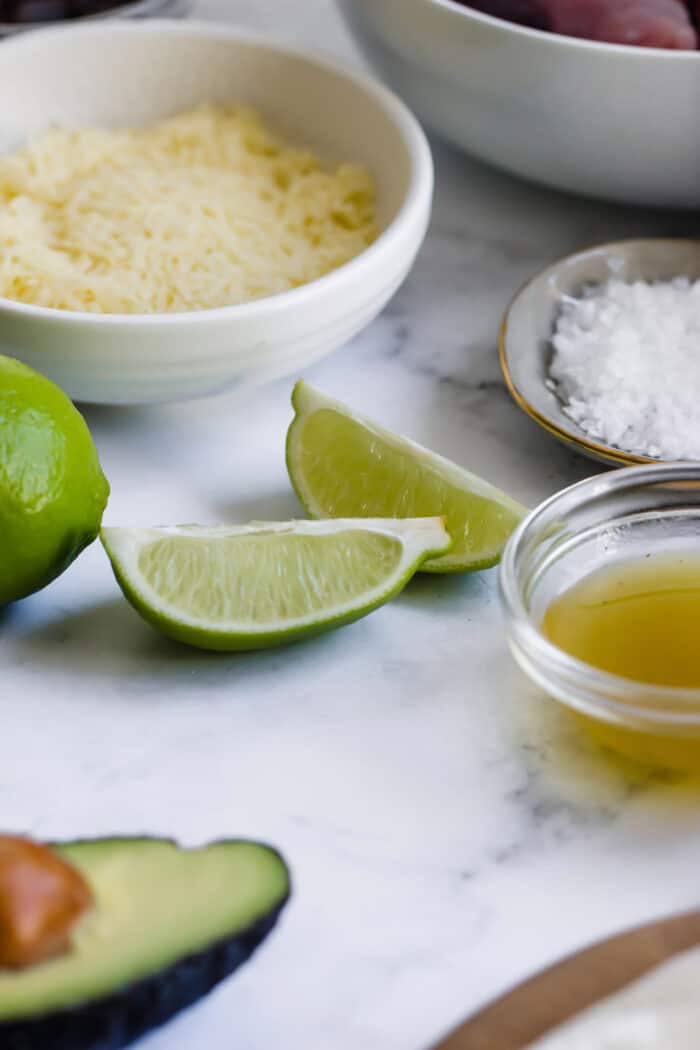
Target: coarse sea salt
point(626, 365)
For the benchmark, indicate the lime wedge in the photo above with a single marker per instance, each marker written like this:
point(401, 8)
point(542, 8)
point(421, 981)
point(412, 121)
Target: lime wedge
point(343, 465)
point(238, 587)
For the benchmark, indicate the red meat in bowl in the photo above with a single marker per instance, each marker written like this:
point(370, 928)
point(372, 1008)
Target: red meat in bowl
point(645, 23)
point(525, 12)
point(642, 23)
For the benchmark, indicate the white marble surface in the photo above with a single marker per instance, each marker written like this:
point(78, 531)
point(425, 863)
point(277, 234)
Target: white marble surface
point(447, 830)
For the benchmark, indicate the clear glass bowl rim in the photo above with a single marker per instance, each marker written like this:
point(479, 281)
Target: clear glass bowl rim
point(617, 699)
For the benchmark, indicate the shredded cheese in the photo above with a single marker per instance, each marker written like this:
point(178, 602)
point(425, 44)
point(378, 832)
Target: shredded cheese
point(206, 209)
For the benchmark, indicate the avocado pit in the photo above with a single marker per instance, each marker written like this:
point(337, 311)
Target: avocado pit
point(42, 897)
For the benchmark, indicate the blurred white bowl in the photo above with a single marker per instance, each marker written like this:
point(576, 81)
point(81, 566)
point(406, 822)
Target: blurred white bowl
point(599, 119)
point(112, 74)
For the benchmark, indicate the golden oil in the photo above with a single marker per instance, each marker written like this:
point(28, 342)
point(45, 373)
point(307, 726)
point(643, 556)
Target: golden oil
point(639, 619)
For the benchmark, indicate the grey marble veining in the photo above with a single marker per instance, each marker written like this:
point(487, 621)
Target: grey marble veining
point(448, 829)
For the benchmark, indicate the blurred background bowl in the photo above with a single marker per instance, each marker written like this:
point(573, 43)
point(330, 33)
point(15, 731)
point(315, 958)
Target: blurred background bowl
point(109, 74)
point(603, 120)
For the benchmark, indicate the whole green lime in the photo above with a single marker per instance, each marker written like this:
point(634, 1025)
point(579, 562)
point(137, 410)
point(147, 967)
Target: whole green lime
point(52, 489)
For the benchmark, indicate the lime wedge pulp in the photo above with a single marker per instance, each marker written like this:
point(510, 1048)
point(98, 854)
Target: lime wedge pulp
point(344, 465)
point(235, 587)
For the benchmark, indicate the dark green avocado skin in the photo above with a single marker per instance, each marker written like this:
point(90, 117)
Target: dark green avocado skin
point(117, 1020)
point(120, 1019)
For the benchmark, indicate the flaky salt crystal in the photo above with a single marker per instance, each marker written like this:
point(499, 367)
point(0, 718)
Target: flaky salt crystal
point(626, 365)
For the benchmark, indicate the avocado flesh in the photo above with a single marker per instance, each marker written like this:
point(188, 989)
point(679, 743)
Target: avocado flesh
point(157, 906)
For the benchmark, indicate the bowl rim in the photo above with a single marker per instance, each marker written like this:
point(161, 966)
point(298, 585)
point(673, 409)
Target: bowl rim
point(418, 195)
point(686, 700)
point(560, 39)
point(588, 446)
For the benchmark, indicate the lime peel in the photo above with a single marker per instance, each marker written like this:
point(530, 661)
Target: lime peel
point(342, 464)
point(238, 587)
point(52, 489)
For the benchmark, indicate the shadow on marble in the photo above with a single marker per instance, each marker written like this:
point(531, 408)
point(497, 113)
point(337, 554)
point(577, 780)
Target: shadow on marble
point(279, 505)
point(8, 613)
point(85, 640)
point(425, 591)
point(109, 641)
point(486, 182)
point(568, 765)
point(496, 440)
point(144, 425)
point(113, 416)
point(530, 201)
point(130, 425)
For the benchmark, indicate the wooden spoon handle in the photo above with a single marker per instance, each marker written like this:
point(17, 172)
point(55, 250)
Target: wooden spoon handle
point(555, 995)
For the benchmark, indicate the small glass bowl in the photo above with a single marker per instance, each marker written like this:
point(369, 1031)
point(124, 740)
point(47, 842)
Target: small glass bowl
point(623, 514)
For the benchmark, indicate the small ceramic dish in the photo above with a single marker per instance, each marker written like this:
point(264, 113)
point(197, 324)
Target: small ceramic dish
point(619, 515)
point(112, 74)
point(526, 330)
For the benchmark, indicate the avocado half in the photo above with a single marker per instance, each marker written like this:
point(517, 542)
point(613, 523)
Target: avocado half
point(168, 924)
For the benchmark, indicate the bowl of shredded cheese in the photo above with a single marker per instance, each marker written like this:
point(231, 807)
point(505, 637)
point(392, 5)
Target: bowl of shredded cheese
point(186, 208)
point(602, 349)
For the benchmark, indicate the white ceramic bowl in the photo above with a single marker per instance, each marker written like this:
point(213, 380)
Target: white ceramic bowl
point(599, 119)
point(128, 74)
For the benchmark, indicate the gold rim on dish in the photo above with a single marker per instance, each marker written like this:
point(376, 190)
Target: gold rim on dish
point(606, 452)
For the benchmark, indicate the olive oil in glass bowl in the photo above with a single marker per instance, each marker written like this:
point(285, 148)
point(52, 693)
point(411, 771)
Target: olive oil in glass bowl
point(601, 591)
